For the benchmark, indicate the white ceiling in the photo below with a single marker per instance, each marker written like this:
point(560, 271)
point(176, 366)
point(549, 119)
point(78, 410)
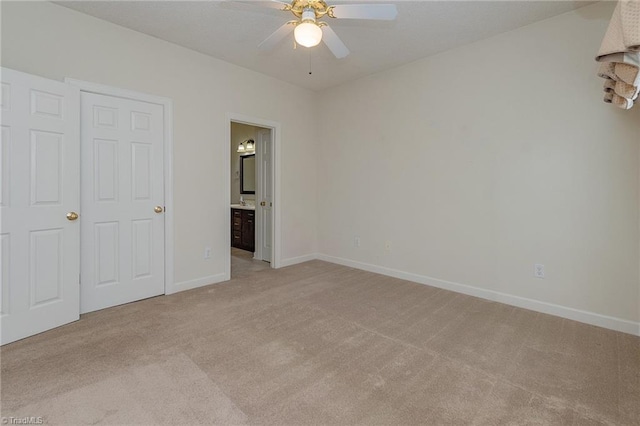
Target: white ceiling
point(231, 31)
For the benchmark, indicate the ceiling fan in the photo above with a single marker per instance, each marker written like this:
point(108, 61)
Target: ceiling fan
point(309, 30)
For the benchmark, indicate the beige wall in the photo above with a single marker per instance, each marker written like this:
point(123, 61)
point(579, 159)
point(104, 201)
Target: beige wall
point(239, 133)
point(479, 162)
point(55, 42)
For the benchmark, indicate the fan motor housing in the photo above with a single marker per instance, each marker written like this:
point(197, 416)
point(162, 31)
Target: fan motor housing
point(320, 7)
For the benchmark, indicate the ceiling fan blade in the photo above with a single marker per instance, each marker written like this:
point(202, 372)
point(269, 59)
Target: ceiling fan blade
point(386, 12)
point(271, 4)
point(334, 43)
point(275, 38)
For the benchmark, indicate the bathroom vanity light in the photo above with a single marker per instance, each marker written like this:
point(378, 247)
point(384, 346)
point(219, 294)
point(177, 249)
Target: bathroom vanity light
point(247, 146)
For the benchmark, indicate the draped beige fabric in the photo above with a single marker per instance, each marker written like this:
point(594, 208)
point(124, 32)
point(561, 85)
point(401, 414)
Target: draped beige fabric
point(620, 55)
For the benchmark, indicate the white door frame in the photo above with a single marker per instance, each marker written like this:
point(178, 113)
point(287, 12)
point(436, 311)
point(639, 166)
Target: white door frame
point(167, 105)
point(260, 194)
point(275, 127)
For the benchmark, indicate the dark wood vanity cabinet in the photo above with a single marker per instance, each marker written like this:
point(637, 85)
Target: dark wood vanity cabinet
point(243, 229)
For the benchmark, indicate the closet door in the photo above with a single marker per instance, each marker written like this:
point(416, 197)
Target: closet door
point(122, 173)
point(39, 205)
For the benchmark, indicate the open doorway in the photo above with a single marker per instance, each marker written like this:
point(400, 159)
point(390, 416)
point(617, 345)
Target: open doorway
point(251, 198)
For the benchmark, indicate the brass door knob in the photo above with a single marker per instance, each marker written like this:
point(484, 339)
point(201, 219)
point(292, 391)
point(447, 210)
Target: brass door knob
point(158, 209)
point(263, 203)
point(72, 216)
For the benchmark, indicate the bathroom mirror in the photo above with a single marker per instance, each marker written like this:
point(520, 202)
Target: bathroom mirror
point(248, 174)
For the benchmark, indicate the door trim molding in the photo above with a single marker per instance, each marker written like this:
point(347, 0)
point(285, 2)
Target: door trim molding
point(259, 232)
point(276, 170)
point(167, 105)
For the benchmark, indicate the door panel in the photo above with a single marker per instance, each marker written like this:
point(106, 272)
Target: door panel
point(266, 193)
point(6, 272)
point(142, 248)
point(141, 170)
point(40, 170)
point(45, 269)
point(105, 168)
point(46, 167)
point(122, 183)
point(107, 253)
point(5, 152)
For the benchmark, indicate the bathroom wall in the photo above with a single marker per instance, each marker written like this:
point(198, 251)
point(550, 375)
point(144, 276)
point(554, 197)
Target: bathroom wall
point(239, 133)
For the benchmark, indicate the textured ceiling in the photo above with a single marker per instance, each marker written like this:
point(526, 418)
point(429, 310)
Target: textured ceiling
point(231, 31)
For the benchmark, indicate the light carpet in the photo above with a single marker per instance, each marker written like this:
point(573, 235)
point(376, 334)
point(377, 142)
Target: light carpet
point(319, 343)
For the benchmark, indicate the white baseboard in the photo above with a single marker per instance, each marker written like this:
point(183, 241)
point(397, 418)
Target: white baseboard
point(592, 318)
point(299, 259)
point(199, 282)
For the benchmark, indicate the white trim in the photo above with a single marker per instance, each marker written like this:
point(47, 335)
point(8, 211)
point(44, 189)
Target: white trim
point(299, 259)
point(167, 104)
point(199, 282)
point(258, 233)
point(592, 318)
point(276, 170)
point(226, 194)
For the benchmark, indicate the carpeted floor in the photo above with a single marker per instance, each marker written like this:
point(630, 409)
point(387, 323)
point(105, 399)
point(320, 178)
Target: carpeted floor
point(242, 263)
point(319, 343)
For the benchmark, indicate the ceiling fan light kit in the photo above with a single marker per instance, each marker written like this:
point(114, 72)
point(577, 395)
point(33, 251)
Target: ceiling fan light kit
point(308, 30)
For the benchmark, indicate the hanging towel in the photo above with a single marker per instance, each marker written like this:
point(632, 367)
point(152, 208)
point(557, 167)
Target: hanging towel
point(621, 67)
point(607, 71)
point(609, 86)
point(630, 12)
point(628, 73)
point(621, 102)
point(620, 55)
point(623, 34)
point(625, 90)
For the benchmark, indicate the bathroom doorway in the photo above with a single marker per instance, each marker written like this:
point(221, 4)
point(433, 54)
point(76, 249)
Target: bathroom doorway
point(251, 197)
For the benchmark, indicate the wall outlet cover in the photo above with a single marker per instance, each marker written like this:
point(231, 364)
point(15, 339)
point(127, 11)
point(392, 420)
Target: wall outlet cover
point(538, 270)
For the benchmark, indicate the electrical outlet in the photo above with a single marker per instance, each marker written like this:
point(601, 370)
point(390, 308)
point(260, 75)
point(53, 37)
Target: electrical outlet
point(538, 270)
point(356, 242)
point(207, 252)
point(387, 246)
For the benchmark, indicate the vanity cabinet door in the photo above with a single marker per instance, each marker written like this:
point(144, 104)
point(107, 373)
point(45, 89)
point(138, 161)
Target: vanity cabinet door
point(243, 229)
point(248, 230)
point(236, 228)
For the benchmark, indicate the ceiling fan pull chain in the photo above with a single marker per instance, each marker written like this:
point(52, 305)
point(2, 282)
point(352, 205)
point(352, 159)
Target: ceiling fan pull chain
point(310, 72)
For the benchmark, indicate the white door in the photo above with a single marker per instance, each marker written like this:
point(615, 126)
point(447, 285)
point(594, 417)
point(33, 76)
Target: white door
point(265, 193)
point(122, 194)
point(40, 247)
